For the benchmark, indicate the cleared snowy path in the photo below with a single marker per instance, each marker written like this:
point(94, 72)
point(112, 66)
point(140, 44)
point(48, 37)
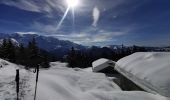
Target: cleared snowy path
point(68, 84)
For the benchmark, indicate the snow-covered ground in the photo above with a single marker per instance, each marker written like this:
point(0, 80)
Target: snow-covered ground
point(8, 85)
point(101, 64)
point(62, 83)
point(150, 70)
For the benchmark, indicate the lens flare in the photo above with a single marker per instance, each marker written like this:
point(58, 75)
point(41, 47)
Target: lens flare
point(72, 3)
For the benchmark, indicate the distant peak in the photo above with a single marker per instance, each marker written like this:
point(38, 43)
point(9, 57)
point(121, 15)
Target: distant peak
point(14, 42)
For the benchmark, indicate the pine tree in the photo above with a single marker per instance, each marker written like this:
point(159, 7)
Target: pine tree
point(8, 50)
point(71, 57)
point(4, 49)
point(33, 54)
point(11, 51)
point(45, 62)
point(21, 55)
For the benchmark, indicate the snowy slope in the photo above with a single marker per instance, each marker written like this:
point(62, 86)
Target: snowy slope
point(7, 81)
point(149, 70)
point(61, 83)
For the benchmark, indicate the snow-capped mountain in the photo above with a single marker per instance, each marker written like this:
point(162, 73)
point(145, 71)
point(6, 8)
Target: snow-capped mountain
point(14, 42)
point(49, 44)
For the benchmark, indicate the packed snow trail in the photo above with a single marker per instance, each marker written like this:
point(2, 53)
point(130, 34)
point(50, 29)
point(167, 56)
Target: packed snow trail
point(68, 84)
point(62, 83)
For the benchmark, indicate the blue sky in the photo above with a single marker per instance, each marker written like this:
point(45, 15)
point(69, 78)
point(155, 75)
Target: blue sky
point(96, 22)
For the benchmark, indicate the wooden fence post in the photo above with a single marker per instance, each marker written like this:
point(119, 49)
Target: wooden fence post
point(37, 70)
point(17, 83)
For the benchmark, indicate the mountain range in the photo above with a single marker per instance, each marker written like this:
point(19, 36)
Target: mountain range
point(50, 44)
point(61, 47)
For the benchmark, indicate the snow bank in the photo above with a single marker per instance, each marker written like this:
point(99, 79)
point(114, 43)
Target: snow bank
point(102, 63)
point(149, 70)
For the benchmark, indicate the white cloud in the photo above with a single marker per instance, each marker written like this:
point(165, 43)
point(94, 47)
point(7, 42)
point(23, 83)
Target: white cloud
point(45, 28)
point(49, 7)
point(96, 16)
point(22, 33)
point(26, 33)
point(23, 4)
point(89, 39)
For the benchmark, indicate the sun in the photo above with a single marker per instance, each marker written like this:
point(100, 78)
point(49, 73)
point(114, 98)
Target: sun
point(72, 3)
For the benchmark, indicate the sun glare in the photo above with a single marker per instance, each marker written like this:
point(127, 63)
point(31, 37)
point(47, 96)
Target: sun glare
point(72, 3)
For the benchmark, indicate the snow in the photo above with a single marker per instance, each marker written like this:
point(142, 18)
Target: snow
point(62, 83)
point(101, 64)
point(149, 70)
point(7, 81)
point(89, 69)
point(14, 42)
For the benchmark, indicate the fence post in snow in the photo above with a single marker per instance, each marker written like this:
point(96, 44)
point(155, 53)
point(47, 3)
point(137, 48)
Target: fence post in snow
point(37, 70)
point(17, 83)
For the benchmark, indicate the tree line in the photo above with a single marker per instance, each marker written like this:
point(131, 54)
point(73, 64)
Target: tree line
point(30, 56)
point(83, 59)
